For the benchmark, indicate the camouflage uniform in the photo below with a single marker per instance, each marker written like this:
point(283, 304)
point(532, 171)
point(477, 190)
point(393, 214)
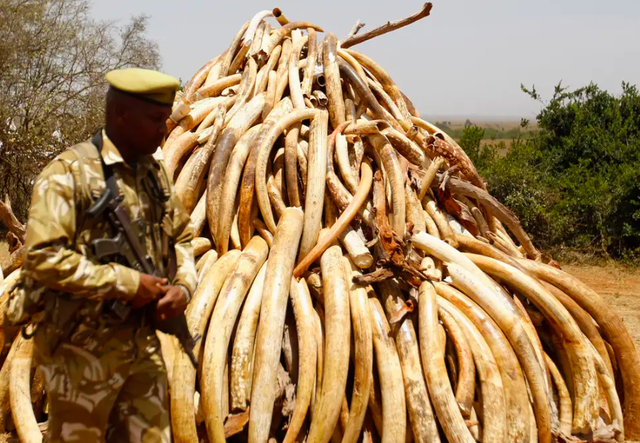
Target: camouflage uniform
point(105, 378)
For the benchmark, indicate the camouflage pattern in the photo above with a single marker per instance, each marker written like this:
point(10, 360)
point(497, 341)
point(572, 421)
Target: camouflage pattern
point(104, 374)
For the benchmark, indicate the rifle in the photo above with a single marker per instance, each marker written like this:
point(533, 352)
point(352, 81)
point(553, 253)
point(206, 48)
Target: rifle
point(126, 245)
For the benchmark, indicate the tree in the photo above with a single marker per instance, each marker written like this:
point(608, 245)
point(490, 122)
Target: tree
point(53, 58)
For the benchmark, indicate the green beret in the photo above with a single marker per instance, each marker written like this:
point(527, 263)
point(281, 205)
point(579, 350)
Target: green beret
point(148, 85)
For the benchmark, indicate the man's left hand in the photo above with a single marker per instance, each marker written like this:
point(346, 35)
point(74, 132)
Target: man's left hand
point(172, 304)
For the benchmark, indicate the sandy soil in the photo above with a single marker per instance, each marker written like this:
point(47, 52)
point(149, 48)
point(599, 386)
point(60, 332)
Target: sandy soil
point(620, 286)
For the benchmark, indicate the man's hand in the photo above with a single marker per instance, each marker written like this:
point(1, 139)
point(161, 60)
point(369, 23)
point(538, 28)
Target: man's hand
point(150, 289)
point(172, 304)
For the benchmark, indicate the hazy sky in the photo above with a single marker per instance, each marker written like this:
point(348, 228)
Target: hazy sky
point(467, 59)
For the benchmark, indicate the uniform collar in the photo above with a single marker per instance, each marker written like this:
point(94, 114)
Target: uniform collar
point(110, 153)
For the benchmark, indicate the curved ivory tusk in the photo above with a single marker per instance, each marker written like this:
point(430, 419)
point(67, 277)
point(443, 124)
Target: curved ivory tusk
point(516, 395)
point(312, 54)
point(421, 416)
point(396, 180)
point(394, 410)
point(205, 262)
point(262, 159)
point(336, 359)
point(295, 90)
point(363, 358)
point(564, 399)
point(407, 148)
point(221, 326)
point(220, 161)
point(247, 39)
point(465, 388)
point(494, 420)
point(582, 366)
point(415, 213)
point(279, 34)
point(243, 348)
point(345, 218)
point(349, 176)
point(332, 78)
point(270, 329)
point(20, 394)
point(613, 331)
point(509, 320)
point(218, 86)
point(198, 312)
point(194, 171)
point(230, 184)
point(248, 185)
point(307, 344)
point(448, 412)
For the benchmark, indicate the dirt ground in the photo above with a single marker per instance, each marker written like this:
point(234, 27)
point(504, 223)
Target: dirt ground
point(619, 285)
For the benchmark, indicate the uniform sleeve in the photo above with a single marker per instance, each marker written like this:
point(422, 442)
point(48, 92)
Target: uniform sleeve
point(186, 274)
point(51, 258)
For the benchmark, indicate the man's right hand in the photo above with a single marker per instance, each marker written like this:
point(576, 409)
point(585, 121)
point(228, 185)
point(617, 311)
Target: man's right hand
point(150, 289)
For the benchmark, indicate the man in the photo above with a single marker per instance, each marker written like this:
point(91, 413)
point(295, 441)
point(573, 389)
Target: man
point(104, 374)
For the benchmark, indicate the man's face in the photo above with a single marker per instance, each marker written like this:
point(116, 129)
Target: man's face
point(146, 125)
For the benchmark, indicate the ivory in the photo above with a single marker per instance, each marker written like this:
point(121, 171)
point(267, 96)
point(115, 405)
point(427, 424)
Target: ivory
point(432, 352)
point(248, 184)
point(272, 314)
point(243, 349)
point(199, 214)
point(340, 225)
point(262, 159)
point(510, 323)
point(200, 245)
point(307, 344)
point(312, 53)
point(516, 395)
point(183, 144)
point(198, 312)
point(250, 33)
point(245, 92)
point(494, 422)
point(229, 54)
point(279, 34)
point(566, 409)
point(428, 177)
point(407, 148)
point(444, 228)
point(315, 189)
point(205, 262)
point(415, 213)
point(355, 246)
point(221, 325)
point(263, 75)
point(332, 78)
point(283, 69)
point(466, 369)
point(363, 357)
point(295, 89)
point(291, 168)
point(282, 19)
point(230, 184)
point(256, 42)
point(336, 359)
point(342, 154)
point(215, 88)
point(263, 231)
point(199, 78)
point(394, 410)
point(366, 127)
point(396, 179)
point(220, 161)
point(582, 366)
point(613, 331)
point(419, 407)
point(389, 105)
point(19, 389)
point(194, 171)
point(271, 94)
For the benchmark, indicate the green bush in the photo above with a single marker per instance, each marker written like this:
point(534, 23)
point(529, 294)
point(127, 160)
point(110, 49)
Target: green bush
point(575, 182)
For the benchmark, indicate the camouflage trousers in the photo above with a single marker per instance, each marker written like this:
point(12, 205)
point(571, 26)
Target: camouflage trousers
point(105, 385)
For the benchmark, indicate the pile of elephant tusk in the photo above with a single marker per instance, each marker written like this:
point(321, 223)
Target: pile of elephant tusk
point(356, 279)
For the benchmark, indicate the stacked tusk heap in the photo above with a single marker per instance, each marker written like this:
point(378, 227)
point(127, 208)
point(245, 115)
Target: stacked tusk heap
point(357, 282)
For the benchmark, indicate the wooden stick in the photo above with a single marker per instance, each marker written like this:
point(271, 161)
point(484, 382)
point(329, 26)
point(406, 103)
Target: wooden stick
point(354, 30)
point(353, 40)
